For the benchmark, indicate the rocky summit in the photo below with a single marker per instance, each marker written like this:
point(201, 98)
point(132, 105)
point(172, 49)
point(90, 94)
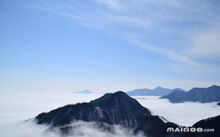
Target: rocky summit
point(112, 108)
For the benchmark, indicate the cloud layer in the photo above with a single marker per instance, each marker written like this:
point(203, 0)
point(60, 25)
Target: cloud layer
point(16, 108)
point(81, 129)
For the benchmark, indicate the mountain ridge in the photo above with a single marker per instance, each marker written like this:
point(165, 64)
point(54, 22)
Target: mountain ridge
point(203, 95)
point(158, 91)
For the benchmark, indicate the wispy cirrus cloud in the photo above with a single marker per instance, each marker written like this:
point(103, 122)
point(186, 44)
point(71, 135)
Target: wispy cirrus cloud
point(181, 62)
point(137, 20)
point(114, 4)
point(207, 43)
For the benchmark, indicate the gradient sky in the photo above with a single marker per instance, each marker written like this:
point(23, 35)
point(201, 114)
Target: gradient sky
point(107, 45)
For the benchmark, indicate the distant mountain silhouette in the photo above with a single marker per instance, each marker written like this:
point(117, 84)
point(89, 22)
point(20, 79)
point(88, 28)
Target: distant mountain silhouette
point(203, 95)
point(85, 92)
point(158, 91)
point(113, 109)
point(140, 92)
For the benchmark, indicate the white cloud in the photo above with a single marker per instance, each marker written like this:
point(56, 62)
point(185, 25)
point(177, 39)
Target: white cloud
point(181, 61)
point(114, 4)
point(131, 21)
point(81, 129)
point(206, 44)
point(90, 129)
point(172, 55)
point(191, 113)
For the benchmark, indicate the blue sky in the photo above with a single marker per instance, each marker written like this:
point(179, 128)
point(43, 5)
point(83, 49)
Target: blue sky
point(108, 45)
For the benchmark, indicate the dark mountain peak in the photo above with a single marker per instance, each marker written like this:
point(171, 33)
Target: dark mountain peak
point(121, 108)
point(119, 99)
point(111, 97)
point(111, 108)
point(119, 104)
point(120, 94)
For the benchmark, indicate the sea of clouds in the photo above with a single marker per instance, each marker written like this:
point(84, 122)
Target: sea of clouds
point(16, 108)
point(185, 114)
